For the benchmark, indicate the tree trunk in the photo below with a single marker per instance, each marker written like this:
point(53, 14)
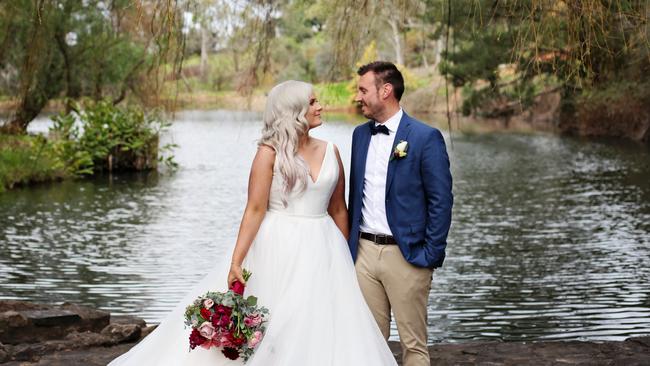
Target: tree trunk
point(40, 75)
point(397, 43)
point(235, 59)
point(73, 89)
point(205, 44)
point(440, 45)
point(29, 108)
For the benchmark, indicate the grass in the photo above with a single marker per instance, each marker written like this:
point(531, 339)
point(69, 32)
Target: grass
point(27, 159)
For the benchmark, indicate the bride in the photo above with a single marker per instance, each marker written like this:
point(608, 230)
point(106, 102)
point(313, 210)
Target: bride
point(293, 239)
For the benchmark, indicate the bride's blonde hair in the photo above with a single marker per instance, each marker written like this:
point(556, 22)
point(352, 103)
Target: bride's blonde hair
point(284, 125)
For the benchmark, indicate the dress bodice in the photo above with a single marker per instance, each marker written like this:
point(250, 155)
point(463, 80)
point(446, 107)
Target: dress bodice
point(314, 200)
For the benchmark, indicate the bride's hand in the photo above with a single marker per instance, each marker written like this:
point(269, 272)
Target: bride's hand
point(235, 274)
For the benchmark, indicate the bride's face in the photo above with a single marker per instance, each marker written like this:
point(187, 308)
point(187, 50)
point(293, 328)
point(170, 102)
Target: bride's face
point(313, 113)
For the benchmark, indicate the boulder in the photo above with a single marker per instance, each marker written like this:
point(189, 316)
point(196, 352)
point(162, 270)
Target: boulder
point(23, 322)
point(4, 355)
point(29, 331)
point(120, 333)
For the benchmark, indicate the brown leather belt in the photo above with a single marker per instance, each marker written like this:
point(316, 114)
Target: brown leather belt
point(380, 239)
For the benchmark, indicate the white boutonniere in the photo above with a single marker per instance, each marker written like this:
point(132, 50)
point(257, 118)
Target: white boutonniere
point(400, 150)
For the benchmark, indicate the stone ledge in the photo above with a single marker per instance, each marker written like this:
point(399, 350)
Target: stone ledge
point(24, 322)
point(123, 332)
point(30, 332)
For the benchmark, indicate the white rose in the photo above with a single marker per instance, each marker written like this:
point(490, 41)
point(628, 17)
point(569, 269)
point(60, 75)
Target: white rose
point(401, 146)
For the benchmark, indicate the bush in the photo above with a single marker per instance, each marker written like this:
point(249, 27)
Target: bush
point(26, 159)
point(106, 137)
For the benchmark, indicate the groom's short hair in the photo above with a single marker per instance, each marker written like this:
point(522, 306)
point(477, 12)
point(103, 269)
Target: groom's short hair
point(385, 73)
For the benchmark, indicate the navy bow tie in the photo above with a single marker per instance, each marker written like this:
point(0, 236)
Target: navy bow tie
point(378, 129)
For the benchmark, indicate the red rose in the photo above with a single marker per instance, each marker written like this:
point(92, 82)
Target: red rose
point(223, 310)
point(206, 314)
point(238, 287)
point(196, 339)
point(239, 341)
point(236, 341)
point(230, 353)
point(221, 321)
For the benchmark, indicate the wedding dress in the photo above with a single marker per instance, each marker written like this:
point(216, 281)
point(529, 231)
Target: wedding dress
point(303, 273)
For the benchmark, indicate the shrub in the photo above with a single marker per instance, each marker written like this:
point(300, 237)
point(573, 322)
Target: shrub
point(106, 137)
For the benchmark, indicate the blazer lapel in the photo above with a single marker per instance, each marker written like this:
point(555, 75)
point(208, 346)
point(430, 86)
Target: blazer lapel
point(401, 134)
point(362, 156)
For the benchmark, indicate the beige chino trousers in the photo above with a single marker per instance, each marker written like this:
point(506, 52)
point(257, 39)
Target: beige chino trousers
point(388, 282)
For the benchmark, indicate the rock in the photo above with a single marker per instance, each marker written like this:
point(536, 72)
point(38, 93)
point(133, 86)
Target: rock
point(98, 356)
point(126, 319)
point(98, 347)
point(4, 355)
point(643, 341)
point(29, 332)
point(23, 322)
point(77, 340)
point(92, 319)
point(121, 333)
point(7, 305)
point(12, 319)
point(51, 317)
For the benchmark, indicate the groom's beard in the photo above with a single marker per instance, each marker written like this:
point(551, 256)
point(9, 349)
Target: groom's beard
point(366, 111)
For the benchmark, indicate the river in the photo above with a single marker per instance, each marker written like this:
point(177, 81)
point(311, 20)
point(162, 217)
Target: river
point(550, 236)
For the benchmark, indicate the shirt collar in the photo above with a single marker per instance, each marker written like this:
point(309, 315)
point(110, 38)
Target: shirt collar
point(393, 122)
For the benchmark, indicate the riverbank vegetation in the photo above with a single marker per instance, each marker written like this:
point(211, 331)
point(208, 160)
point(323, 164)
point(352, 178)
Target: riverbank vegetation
point(579, 67)
point(218, 54)
point(27, 159)
point(99, 137)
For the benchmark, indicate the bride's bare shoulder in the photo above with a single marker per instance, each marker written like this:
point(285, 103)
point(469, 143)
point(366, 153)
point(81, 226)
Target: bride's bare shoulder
point(265, 156)
point(266, 150)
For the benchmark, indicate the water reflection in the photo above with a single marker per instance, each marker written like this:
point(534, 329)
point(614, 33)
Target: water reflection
point(550, 238)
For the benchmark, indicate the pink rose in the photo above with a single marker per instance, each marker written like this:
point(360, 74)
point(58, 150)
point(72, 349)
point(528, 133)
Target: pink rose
point(255, 340)
point(207, 330)
point(208, 303)
point(224, 340)
point(253, 320)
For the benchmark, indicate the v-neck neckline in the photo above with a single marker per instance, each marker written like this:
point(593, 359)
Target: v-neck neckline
point(322, 164)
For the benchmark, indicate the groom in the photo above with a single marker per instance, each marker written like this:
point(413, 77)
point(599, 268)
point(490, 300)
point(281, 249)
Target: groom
point(399, 208)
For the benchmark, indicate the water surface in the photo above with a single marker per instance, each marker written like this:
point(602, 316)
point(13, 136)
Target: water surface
point(550, 236)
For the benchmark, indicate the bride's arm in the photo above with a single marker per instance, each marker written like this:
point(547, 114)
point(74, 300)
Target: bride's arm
point(337, 208)
point(259, 186)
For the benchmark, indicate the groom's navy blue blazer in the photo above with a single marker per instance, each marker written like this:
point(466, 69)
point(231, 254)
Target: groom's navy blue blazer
point(418, 192)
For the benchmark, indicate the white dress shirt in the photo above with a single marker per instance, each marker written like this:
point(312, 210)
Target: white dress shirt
point(373, 210)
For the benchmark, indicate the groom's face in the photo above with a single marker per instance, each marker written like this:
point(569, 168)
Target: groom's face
point(368, 96)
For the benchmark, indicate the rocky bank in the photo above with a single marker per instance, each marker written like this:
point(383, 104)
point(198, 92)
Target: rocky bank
point(69, 334)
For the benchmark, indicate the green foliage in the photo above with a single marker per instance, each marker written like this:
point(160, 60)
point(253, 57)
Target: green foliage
point(583, 44)
point(25, 159)
point(106, 137)
point(75, 49)
point(333, 95)
point(221, 74)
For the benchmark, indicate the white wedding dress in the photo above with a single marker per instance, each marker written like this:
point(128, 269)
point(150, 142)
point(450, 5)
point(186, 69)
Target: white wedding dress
point(303, 273)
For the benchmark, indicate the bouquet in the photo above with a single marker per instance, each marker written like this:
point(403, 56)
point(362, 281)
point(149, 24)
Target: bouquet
point(227, 320)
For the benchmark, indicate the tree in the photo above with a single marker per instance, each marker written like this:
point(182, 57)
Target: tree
point(73, 49)
point(582, 44)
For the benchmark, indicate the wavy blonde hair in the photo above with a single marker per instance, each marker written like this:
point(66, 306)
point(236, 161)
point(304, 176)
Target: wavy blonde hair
point(284, 124)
